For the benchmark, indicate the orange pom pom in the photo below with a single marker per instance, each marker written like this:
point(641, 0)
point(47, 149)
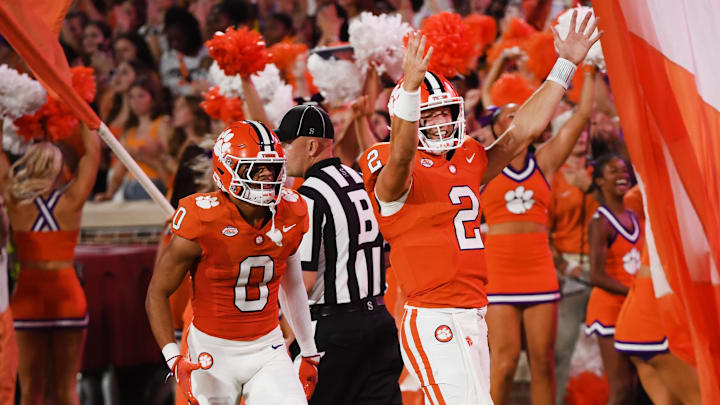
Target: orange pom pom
point(83, 81)
point(483, 30)
point(219, 107)
point(518, 28)
point(55, 120)
point(540, 49)
point(284, 54)
point(240, 51)
point(30, 126)
point(453, 48)
point(511, 88)
point(587, 388)
point(518, 31)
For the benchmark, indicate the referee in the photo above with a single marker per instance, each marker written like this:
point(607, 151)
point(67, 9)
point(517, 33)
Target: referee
point(343, 266)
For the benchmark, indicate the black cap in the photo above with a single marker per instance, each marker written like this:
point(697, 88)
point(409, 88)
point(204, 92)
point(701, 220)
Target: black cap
point(305, 120)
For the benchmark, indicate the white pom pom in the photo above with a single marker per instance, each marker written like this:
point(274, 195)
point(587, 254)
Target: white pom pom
point(339, 81)
point(230, 86)
point(586, 356)
point(378, 40)
point(274, 93)
point(595, 56)
point(19, 93)
point(12, 142)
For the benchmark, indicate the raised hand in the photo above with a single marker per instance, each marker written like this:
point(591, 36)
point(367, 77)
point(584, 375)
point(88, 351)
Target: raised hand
point(415, 62)
point(577, 43)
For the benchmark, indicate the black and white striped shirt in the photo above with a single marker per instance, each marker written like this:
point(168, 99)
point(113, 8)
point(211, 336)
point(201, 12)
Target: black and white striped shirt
point(343, 243)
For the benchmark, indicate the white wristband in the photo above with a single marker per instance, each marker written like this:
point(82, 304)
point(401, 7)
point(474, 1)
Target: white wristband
point(170, 351)
point(407, 105)
point(562, 73)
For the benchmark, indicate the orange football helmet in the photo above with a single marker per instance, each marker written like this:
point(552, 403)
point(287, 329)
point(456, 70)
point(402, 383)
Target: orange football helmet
point(239, 154)
point(435, 92)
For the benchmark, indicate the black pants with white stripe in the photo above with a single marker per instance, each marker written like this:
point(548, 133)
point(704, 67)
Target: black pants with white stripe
point(362, 362)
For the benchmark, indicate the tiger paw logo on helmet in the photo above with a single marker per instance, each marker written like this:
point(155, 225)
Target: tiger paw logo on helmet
point(222, 145)
point(206, 202)
point(631, 261)
point(519, 201)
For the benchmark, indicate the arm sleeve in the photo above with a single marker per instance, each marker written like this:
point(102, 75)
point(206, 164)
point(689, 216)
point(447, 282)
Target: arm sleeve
point(294, 302)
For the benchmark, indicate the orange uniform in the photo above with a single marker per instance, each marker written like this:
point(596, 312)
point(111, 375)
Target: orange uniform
point(48, 298)
point(622, 262)
point(529, 277)
point(570, 212)
point(437, 253)
point(235, 284)
point(640, 330)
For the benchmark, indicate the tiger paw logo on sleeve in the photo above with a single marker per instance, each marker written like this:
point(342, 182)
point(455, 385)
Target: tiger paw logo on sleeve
point(206, 202)
point(519, 201)
point(288, 195)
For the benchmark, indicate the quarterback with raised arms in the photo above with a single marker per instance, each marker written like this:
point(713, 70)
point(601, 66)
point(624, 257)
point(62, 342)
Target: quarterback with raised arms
point(425, 184)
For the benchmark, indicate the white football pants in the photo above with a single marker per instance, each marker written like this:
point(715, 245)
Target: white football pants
point(446, 349)
point(260, 370)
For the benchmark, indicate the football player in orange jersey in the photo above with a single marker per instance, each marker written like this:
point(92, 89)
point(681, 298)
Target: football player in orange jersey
point(426, 183)
point(236, 242)
point(614, 238)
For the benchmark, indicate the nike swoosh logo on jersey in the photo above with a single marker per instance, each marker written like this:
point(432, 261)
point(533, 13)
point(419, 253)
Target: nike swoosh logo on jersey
point(287, 228)
point(276, 347)
point(470, 159)
point(565, 194)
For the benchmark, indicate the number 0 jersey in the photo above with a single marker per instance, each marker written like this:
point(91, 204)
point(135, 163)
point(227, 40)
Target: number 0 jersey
point(235, 284)
point(436, 249)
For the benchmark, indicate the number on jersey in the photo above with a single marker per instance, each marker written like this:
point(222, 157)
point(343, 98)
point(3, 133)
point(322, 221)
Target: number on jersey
point(251, 290)
point(373, 162)
point(457, 193)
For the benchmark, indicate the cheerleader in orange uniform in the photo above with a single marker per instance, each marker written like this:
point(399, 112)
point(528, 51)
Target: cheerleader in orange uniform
point(522, 285)
point(614, 238)
point(641, 334)
point(48, 303)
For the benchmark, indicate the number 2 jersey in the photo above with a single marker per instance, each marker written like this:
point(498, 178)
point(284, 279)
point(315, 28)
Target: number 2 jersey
point(436, 249)
point(235, 284)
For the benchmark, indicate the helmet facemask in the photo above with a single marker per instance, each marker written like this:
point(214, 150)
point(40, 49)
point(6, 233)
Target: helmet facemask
point(258, 192)
point(452, 133)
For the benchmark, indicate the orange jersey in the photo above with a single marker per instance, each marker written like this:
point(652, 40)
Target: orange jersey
point(622, 260)
point(517, 196)
point(235, 284)
point(437, 253)
point(570, 212)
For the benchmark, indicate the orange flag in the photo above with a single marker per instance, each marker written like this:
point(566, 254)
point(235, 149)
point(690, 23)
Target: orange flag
point(32, 28)
point(663, 74)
